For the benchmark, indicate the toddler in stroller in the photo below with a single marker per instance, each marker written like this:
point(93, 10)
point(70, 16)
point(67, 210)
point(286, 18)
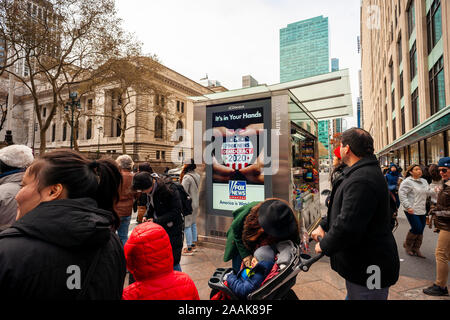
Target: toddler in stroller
point(277, 285)
point(250, 279)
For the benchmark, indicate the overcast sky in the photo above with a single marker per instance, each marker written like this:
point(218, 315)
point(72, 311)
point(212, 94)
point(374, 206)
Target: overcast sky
point(228, 39)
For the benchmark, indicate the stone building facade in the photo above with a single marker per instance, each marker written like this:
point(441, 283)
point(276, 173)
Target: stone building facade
point(406, 78)
point(152, 122)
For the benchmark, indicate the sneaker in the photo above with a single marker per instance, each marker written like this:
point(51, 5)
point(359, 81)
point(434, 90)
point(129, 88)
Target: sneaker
point(187, 252)
point(436, 291)
point(194, 248)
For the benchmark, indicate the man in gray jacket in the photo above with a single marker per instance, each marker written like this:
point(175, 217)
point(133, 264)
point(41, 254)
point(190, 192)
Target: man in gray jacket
point(13, 162)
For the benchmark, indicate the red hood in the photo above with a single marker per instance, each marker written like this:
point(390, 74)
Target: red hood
point(148, 252)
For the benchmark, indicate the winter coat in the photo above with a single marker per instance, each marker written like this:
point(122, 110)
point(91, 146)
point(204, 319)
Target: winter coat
point(243, 286)
point(358, 226)
point(149, 259)
point(41, 253)
point(167, 212)
point(9, 187)
point(234, 244)
point(441, 212)
point(392, 178)
point(191, 183)
point(413, 194)
point(124, 207)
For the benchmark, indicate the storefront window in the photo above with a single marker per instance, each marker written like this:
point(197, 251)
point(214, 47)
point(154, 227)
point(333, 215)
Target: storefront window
point(414, 153)
point(407, 157)
point(402, 158)
point(435, 148)
point(448, 143)
point(422, 152)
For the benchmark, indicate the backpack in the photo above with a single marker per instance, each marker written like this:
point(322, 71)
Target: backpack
point(186, 200)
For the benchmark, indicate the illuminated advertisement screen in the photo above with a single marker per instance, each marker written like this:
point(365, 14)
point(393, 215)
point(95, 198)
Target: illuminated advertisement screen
point(235, 175)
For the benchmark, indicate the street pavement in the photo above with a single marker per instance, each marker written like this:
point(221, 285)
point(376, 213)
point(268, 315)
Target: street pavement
point(321, 282)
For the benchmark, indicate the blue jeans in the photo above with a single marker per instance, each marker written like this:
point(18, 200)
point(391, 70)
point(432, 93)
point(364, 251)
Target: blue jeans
point(123, 229)
point(357, 292)
point(417, 223)
point(177, 268)
point(191, 234)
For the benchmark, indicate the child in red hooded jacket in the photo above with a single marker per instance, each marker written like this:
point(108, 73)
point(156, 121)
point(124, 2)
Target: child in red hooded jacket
point(149, 259)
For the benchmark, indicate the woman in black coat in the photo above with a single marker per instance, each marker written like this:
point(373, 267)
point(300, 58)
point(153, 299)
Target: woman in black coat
point(63, 244)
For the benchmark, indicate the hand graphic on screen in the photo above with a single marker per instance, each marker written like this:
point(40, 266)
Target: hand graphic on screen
point(255, 172)
point(223, 132)
point(221, 173)
point(252, 130)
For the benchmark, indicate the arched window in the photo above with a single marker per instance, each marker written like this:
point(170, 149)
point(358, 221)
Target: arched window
point(53, 132)
point(180, 126)
point(64, 136)
point(89, 129)
point(159, 127)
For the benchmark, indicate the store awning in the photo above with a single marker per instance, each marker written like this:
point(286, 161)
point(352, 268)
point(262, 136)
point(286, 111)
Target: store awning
point(437, 123)
point(326, 96)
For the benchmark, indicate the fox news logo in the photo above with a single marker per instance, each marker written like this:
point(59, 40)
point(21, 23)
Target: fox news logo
point(238, 190)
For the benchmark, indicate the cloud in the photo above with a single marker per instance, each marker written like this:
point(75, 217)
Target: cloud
point(230, 38)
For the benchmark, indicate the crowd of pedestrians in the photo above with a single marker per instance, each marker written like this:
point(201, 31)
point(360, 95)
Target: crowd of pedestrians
point(423, 193)
point(63, 216)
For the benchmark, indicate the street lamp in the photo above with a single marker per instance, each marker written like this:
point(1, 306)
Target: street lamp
point(100, 129)
point(74, 103)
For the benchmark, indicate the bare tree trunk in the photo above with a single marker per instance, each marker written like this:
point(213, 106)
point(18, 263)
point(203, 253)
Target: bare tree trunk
point(43, 143)
point(123, 128)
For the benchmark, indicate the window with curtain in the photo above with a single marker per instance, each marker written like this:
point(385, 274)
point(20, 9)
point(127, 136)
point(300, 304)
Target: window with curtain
point(415, 108)
point(89, 129)
point(434, 25)
point(64, 135)
point(413, 61)
point(411, 17)
point(437, 87)
point(180, 126)
point(158, 127)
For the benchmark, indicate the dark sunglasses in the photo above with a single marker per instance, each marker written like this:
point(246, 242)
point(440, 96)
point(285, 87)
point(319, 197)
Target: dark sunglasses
point(443, 170)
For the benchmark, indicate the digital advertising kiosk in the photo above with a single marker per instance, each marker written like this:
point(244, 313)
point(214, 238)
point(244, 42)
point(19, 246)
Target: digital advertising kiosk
point(250, 145)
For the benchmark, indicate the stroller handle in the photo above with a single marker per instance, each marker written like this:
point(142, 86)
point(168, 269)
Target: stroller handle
point(306, 264)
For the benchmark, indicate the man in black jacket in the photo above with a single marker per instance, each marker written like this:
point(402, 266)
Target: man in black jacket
point(356, 232)
point(164, 208)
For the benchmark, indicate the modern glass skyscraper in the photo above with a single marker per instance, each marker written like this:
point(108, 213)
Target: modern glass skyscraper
point(334, 65)
point(304, 49)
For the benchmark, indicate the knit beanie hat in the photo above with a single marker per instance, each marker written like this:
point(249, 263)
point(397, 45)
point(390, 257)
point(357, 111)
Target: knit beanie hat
point(265, 253)
point(17, 156)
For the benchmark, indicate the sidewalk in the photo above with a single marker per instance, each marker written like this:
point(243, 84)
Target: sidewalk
point(320, 283)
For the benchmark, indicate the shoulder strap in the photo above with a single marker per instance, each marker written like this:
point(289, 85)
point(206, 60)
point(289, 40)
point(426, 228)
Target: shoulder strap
point(195, 181)
point(89, 275)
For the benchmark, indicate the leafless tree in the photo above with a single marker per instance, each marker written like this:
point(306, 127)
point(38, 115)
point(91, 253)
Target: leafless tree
point(60, 44)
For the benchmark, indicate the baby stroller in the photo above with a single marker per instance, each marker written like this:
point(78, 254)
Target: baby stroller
point(277, 288)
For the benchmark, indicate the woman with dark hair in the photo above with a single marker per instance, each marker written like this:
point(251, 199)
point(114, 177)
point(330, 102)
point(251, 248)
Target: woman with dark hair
point(190, 180)
point(63, 244)
point(436, 181)
point(413, 194)
point(258, 224)
point(336, 173)
point(145, 167)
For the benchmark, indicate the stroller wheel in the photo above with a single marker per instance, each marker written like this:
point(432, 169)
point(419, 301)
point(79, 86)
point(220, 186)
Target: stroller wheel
point(290, 295)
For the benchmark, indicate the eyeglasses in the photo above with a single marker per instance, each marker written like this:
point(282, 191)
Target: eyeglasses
point(443, 170)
